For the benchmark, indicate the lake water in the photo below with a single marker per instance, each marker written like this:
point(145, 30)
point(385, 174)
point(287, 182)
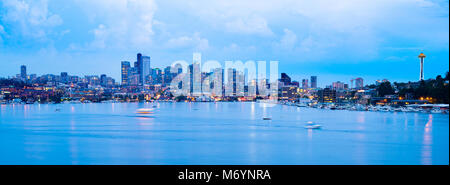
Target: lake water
point(217, 133)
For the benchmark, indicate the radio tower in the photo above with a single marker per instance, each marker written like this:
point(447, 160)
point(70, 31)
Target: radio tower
point(422, 57)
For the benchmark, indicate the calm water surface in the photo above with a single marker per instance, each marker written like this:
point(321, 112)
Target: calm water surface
point(217, 133)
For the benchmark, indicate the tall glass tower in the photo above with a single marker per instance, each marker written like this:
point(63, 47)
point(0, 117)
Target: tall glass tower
point(125, 70)
point(23, 72)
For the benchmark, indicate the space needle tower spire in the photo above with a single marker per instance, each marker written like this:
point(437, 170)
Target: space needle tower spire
point(422, 57)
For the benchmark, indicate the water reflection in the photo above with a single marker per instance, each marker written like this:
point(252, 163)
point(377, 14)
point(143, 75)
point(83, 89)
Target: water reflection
point(223, 134)
point(427, 142)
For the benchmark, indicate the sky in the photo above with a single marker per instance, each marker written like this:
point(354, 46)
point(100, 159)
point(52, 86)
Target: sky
point(334, 40)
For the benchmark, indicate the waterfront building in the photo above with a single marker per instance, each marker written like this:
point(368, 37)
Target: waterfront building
point(327, 95)
point(288, 93)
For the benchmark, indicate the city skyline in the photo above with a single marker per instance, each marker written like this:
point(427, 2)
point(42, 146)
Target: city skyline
point(144, 62)
point(327, 41)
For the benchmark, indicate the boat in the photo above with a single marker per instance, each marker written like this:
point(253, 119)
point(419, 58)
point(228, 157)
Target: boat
point(267, 118)
point(398, 109)
point(144, 111)
point(385, 109)
point(436, 111)
point(312, 125)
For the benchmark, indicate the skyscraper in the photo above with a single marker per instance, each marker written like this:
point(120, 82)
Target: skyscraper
point(359, 83)
point(23, 72)
point(103, 80)
point(125, 72)
point(313, 81)
point(218, 82)
point(230, 87)
point(305, 84)
point(143, 68)
point(145, 72)
point(285, 79)
point(338, 85)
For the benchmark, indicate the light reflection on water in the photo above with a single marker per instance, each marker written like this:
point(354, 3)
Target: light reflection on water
point(217, 133)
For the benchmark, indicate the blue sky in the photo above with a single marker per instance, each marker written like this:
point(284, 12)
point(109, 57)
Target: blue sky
point(335, 40)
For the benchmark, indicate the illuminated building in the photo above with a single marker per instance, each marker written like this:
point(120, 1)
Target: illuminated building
point(327, 95)
point(125, 71)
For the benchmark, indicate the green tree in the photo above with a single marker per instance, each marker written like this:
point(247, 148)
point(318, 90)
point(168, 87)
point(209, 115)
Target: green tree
point(385, 88)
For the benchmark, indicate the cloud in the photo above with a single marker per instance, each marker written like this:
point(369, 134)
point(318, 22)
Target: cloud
point(31, 19)
point(120, 23)
point(348, 28)
point(252, 25)
point(288, 41)
point(195, 42)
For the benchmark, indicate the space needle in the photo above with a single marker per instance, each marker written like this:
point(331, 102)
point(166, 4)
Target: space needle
point(422, 57)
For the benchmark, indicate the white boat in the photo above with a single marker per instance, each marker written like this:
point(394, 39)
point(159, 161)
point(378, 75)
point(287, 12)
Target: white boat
point(436, 111)
point(397, 109)
point(312, 125)
point(144, 111)
point(385, 109)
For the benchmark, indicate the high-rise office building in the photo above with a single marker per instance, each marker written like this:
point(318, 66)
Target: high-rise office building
point(313, 81)
point(240, 83)
point(305, 84)
point(143, 68)
point(285, 79)
point(125, 70)
point(338, 85)
point(23, 72)
point(103, 80)
point(218, 82)
point(230, 87)
point(196, 75)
